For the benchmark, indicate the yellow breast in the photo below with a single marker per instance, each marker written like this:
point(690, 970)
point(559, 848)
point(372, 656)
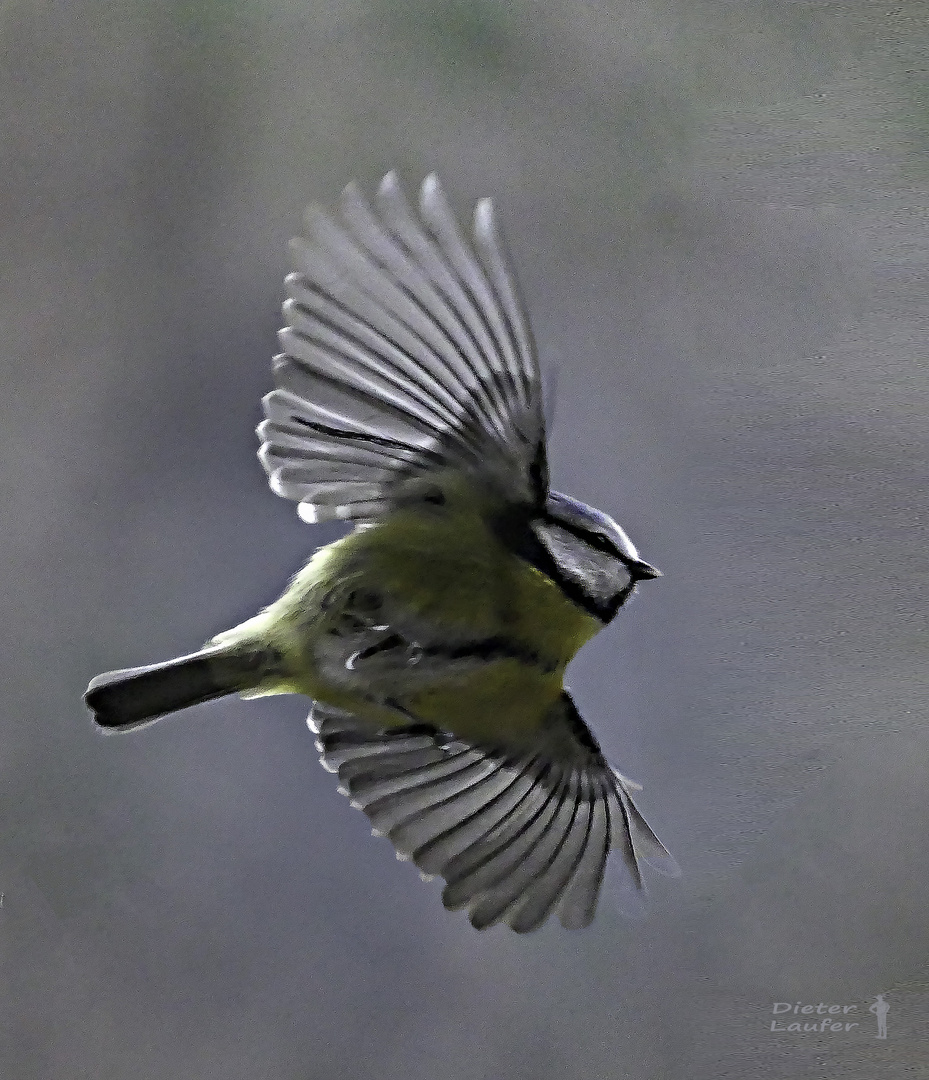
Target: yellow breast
point(455, 573)
point(452, 574)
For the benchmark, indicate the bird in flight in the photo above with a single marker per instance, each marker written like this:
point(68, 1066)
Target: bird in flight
point(434, 637)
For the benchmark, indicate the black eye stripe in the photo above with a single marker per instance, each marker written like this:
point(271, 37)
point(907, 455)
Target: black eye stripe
point(601, 542)
point(596, 540)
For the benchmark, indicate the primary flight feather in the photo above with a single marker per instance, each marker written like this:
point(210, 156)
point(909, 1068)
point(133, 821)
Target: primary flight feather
point(434, 637)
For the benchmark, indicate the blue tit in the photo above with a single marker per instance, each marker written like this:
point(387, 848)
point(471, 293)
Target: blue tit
point(434, 637)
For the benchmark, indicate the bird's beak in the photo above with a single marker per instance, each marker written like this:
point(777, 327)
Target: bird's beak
point(644, 570)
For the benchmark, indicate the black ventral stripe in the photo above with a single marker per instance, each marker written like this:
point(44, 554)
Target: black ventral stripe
point(490, 649)
point(486, 649)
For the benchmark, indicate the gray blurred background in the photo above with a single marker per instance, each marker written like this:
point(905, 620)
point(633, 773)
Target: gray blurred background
point(718, 212)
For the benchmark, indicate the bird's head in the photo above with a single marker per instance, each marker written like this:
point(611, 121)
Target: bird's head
point(589, 555)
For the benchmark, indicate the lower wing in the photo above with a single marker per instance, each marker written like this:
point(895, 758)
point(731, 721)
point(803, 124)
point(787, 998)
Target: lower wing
point(516, 834)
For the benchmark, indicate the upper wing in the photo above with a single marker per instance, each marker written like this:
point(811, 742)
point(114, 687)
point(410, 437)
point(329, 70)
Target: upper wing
point(516, 834)
point(406, 350)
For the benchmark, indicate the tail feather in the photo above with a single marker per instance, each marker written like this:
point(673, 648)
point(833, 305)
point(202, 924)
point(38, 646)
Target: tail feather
point(127, 699)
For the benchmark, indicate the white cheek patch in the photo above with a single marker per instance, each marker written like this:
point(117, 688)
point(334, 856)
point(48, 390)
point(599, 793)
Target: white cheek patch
point(599, 574)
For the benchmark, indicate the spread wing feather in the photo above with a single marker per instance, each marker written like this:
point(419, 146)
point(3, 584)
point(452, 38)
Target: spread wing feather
point(516, 835)
point(406, 350)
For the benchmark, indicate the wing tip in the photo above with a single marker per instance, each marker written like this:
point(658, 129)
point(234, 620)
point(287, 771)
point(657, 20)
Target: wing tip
point(352, 192)
point(485, 223)
point(309, 513)
point(665, 864)
point(390, 179)
point(431, 186)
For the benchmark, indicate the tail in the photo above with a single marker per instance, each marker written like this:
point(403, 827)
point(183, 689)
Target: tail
point(127, 699)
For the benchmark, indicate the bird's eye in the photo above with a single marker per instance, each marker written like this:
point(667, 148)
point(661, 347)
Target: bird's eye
point(602, 543)
point(435, 496)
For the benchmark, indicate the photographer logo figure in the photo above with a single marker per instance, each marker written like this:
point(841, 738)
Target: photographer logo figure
point(880, 1008)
